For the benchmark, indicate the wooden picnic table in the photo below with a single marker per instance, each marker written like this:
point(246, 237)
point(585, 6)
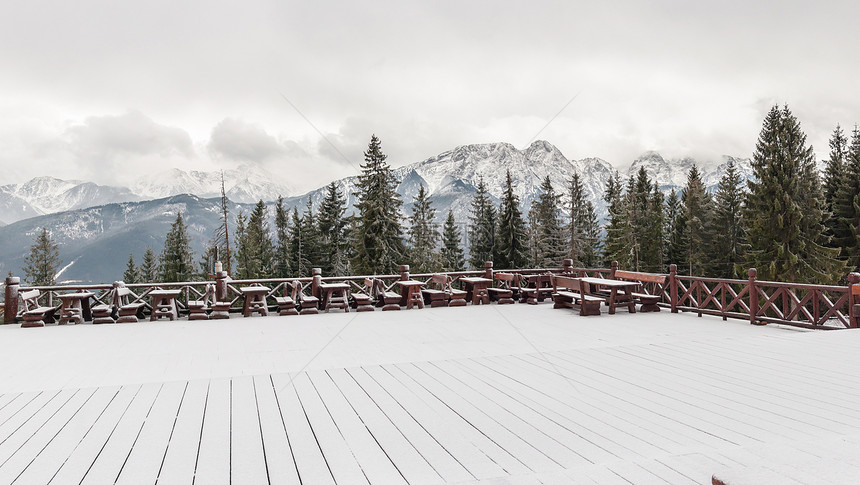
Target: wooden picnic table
point(410, 291)
point(164, 304)
point(476, 289)
point(255, 300)
point(75, 307)
point(620, 292)
point(538, 287)
point(335, 295)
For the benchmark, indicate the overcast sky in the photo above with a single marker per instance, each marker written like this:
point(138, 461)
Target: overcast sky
point(107, 90)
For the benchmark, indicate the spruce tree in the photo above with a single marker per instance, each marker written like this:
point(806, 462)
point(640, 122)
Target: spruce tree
point(311, 246)
point(675, 223)
point(423, 234)
point(206, 265)
point(619, 243)
point(299, 262)
point(511, 237)
point(148, 270)
point(43, 261)
point(222, 234)
point(696, 205)
point(378, 234)
point(726, 241)
point(550, 235)
point(784, 208)
point(578, 220)
point(282, 241)
point(833, 172)
point(259, 260)
point(482, 227)
point(591, 242)
point(332, 233)
point(176, 262)
point(846, 206)
point(452, 250)
point(131, 273)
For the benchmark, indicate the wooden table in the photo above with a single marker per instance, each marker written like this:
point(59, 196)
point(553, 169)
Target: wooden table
point(411, 293)
point(75, 307)
point(539, 287)
point(476, 289)
point(620, 292)
point(335, 295)
point(164, 304)
point(255, 300)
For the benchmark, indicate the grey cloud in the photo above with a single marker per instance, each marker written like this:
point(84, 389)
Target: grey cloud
point(241, 141)
point(108, 138)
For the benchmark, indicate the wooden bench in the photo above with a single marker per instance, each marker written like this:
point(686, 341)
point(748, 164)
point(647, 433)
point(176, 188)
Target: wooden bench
point(363, 299)
point(35, 315)
point(388, 300)
point(105, 312)
point(506, 289)
point(647, 301)
point(535, 288)
point(129, 312)
point(437, 292)
point(197, 308)
point(287, 302)
point(569, 292)
point(308, 304)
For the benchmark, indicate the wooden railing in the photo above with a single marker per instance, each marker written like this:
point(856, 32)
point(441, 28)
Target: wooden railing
point(800, 305)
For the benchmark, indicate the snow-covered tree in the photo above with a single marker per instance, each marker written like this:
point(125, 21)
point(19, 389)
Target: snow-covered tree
point(43, 261)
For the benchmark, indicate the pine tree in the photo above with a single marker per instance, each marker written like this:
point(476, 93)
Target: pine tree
point(177, 260)
point(833, 171)
point(619, 243)
point(332, 228)
point(299, 262)
point(452, 250)
point(131, 273)
point(726, 239)
point(311, 246)
point(550, 235)
point(784, 208)
point(222, 234)
point(645, 217)
point(423, 234)
point(148, 270)
point(378, 234)
point(578, 218)
point(242, 262)
point(282, 241)
point(846, 206)
point(697, 207)
point(257, 247)
point(43, 262)
point(482, 227)
point(675, 224)
point(512, 236)
point(591, 243)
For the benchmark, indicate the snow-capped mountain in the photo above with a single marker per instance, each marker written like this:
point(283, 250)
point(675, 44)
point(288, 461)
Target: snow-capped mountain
point(49, 195)
point(672, 173)
point(243, 184)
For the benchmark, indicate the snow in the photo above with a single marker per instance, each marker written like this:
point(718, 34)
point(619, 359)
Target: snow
point(487, 394)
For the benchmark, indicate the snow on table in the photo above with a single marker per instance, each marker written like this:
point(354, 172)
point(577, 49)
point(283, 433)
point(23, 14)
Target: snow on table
point(488, 394)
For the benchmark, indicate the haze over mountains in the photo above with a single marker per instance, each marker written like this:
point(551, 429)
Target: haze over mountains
point(98, 226)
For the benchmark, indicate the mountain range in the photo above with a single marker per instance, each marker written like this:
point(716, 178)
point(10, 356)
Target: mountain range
point(98, 226)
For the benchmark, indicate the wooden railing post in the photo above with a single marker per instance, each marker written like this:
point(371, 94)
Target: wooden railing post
point(673, 287)
point(488, 269)
point(853, 300)
point(221, 286)
point(315, 282)
point(612, 268)
point(753, 295)
point(404, 272)
point(11, 311)
point(567, 266)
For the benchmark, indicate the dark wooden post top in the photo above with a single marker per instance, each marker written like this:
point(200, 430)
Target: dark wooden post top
point(221, 286)
point(488, 269)
point(753, 294)
point(404, 272)
point(567, 266)
point(854, 300)
point(315, 283)
point(673, 287)
point(612, 268)
point(11, 295)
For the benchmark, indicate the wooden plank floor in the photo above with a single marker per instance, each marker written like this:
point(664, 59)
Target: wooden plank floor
point(670, 411)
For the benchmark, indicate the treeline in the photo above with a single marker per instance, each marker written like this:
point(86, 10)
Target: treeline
point(788, 221)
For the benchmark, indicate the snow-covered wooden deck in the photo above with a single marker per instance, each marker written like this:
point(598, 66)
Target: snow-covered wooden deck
point(492, 394)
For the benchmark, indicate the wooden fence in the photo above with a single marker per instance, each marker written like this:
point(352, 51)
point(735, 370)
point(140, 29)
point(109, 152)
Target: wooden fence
point(800, 305)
